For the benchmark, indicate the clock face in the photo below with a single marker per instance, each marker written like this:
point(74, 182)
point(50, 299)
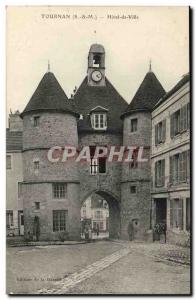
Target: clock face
point(96, 76)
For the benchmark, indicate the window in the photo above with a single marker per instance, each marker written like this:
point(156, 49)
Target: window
point(8, 162)
point(102, 165)
point(9, 218)
point(101, 225)
point(98, 214)
point(96, 61)
point(176, 213)
point(36, 165)
point(97, 165)
point(99, 121)
point(180, 167)
point(19, 189)
point(133, 189)
point(36, 121)
point(59, 190)
point(134, 159)
point(180, 120)
point(133, 125)
point(160, 132)
point(160, 173)
point(59, 220)
point(84, 213)
point(37, 205)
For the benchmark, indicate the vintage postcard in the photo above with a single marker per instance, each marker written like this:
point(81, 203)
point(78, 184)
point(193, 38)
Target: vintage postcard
point(98, 150)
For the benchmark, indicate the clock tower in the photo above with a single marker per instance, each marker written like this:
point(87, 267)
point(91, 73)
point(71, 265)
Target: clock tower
point(96, 65)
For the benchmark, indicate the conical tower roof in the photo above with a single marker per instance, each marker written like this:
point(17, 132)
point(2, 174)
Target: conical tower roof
point(147, 95)
point(49, 96)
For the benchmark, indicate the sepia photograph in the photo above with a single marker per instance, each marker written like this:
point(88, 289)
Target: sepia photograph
point(98, 152)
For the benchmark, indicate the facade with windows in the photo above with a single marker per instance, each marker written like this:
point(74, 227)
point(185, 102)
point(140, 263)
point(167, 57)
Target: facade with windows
point(170, 162)
point(14, 174)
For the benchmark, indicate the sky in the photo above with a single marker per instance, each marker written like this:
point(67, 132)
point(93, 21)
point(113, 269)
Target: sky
point(34, 36)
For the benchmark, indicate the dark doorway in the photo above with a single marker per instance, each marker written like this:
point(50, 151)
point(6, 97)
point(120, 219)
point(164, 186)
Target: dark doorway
point(161, 210)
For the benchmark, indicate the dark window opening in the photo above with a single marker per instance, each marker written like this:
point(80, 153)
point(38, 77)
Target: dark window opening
point(96, 61)
point(36, 121)
point(37, 205)
point(133, 125)
point(102, 165)
point(134, 159)
point(133, 189)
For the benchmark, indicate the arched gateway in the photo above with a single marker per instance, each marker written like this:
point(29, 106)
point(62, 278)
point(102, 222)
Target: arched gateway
point(114, 211)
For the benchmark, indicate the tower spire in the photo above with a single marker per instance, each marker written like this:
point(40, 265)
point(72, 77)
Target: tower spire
point(150, 65)
point(48, 66)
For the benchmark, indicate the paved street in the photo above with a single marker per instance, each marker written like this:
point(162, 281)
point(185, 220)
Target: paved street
point(95, 268)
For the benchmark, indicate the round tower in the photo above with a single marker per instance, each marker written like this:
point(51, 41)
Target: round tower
point(51, 187)
point(136, 174)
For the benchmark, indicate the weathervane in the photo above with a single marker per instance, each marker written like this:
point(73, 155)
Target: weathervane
point(150, 65)
point(48, 66)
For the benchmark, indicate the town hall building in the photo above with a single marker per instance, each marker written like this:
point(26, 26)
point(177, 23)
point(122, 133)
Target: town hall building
point(53, 193)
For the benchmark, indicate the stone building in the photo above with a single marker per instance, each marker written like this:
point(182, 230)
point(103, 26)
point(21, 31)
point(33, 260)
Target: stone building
point(170, 161)
point(53, 191)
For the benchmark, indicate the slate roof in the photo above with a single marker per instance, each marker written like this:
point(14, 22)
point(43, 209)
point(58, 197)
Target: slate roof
point(147, 95)
point(183, 81)
point(89, 97)
point(13, 140)
point(49, 96)
point(97, 48)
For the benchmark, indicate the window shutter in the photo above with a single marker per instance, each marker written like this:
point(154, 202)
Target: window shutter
point(172, 125)
point(163, 130)
point(171, 169)
point(156, 134)
point(163, 172)
point(171, 213)
point(156, 174)
point(188, 115)
point(180, 166)
point(180, 213)
point(188, 165)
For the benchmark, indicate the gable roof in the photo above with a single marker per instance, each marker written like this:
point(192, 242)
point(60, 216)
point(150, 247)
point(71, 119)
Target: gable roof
point(89, 97)
point(14, 140)
point(49, 96)
point(183, 81)
point(147, 95)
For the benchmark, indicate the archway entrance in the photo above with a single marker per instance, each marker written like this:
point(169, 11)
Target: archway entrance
point(100, 216)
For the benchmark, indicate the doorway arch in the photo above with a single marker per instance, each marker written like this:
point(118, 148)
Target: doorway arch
point(114, 211)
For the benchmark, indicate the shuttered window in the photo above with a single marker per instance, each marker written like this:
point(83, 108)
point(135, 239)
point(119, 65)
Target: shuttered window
point(176, 213)
point(160, 173)
point(180, 167)
point(160, 132)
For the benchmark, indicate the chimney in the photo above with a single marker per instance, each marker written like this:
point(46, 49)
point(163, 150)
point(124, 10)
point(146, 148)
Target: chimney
point(15, 121)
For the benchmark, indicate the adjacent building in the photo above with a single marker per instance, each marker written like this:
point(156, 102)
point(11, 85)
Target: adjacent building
point(14, 175)
point(170, 161)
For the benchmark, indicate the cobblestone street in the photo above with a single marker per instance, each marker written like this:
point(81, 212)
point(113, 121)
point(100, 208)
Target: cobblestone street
point(102, 267)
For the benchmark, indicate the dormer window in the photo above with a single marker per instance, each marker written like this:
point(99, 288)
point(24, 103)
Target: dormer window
point(99, 118)
point(99, 121)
